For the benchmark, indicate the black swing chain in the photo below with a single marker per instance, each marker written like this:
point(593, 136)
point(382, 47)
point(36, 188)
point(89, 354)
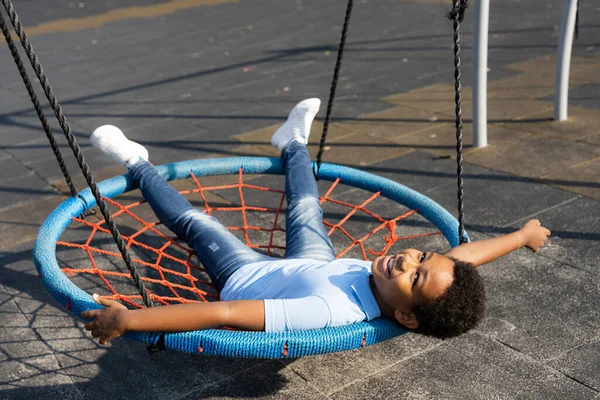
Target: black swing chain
point(37, 106)
point(334, 82)
point(85, 169)
point(456, 15)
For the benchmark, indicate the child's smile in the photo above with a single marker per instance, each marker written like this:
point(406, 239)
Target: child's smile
point(411, 277)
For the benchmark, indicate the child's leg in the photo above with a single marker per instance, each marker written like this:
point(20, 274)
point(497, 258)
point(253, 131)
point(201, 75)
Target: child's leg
point(218, 249)
point(306, 236)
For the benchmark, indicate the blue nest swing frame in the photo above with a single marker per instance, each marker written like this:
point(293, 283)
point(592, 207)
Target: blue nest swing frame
point(219, 342)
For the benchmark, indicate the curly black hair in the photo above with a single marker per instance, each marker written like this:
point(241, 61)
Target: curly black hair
point(458, 310)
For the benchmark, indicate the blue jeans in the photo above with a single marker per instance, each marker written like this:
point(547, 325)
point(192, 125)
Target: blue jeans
point(217, 248)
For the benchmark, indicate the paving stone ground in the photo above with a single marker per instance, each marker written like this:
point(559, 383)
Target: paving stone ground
point(212, 78)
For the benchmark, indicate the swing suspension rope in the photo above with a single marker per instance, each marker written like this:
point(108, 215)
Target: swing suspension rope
point(62, 120)
point(334, 82)
point(145, 296)
point(456, 15)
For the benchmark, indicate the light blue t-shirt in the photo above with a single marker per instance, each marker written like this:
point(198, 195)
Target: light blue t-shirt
point(306, 294)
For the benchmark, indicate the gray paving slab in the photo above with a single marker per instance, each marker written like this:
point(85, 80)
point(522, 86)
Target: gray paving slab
point(12, 99)
point(422, 172)
point(34, 382)
point(267, 77)
point(64, 86)
point(268, 381)
point(10, 312)
point(22, 343)
point(11, 168)
point(486, 368)
point(68, 9)
point(18, 274)
point(39, 149)
point(192, 147)
point(158, 133)
point(114, 110)
point(21, 224)
point(581, 364)
point(156, 69)
point(49, 170)
point(18, 129)
point(226, 118)
point(24, 189)
point(583, 95)
point(493, 200)
point(115, 371)
point(540, 307)
point(575, 230)
point(331, 373)
point(28, 365)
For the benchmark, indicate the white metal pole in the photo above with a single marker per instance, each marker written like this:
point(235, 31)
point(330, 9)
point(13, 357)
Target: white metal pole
point(563, 60)
point(480, 66)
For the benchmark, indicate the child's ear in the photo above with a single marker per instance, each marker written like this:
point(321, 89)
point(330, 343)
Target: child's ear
point(406, 319)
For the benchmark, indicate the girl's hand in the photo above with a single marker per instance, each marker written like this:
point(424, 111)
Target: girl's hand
point(109, 322)
point(534, 234)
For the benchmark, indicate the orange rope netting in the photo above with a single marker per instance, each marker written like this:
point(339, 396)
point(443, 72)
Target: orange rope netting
point(178, 278)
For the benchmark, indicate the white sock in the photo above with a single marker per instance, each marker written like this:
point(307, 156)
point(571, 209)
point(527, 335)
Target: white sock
point(112, 142)
point(297, 126)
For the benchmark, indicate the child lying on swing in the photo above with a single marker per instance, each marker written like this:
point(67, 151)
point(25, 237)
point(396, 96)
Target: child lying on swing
point(440, 295)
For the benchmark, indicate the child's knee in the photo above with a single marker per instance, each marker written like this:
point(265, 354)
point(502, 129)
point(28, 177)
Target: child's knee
point(306, 210)
point(191, 220)
point(305, 203)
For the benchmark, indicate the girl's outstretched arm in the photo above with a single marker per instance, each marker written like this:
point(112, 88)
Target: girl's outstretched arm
point(532, 235)
point(115, 319)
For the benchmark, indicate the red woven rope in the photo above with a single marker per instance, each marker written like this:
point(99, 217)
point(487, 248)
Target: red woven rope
point(180, 278)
